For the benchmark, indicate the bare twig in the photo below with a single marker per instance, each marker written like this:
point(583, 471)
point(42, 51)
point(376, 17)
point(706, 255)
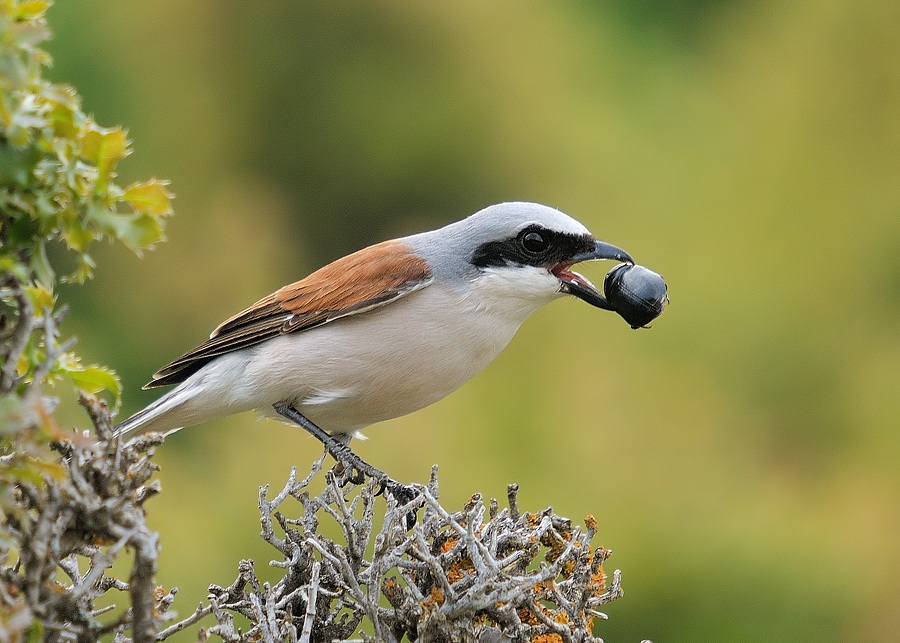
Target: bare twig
point(311, 597)
point(199, 613)
point(145, 618)
point(13, 349)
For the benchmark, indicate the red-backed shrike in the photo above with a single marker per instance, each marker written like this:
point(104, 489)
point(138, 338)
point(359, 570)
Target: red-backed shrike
point(384, 331)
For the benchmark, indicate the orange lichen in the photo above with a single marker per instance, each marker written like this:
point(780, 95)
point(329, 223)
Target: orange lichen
point(435, 599)
point(598, 582)
point(528, 617)
point(547, 638)
point(449, 544)
point(459, 569)
point(555, 549)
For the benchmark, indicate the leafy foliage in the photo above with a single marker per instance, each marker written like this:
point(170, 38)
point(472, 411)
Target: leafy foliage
point(58, 167)
point(57, 189)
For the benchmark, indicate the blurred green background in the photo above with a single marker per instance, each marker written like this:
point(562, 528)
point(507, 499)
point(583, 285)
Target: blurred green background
point(742, 457)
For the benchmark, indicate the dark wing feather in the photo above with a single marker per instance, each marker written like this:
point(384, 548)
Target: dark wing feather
point(355, 284)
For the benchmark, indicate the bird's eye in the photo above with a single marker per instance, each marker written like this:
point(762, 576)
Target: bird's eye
point(534, 242)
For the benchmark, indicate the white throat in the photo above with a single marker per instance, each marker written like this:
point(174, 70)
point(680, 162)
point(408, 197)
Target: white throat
point(513, 293)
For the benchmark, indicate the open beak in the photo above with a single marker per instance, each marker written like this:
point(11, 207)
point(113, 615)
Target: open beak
point(572, 283)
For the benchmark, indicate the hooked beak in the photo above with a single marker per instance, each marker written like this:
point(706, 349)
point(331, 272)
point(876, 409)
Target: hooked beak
point(572, 283)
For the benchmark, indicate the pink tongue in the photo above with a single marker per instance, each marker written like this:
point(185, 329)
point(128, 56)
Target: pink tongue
point(568, 275)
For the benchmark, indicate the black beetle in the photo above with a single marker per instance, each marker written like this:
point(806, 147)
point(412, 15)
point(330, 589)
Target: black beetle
point(636, 293)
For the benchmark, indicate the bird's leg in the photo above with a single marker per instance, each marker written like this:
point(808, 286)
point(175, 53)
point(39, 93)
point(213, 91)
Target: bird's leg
point(340, 451)
point(343, 455)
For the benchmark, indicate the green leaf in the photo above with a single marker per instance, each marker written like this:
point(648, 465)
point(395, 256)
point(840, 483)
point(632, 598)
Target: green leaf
point(35, 633)
point(99, 215)
point(144, 231)
point(76, 235)
point(24, 472)
point(21, 230)
point(31, 9)
point(17, 165)
point(41, 267)
point(104, 147)
point(137, 231)
point(150, 197)
point(83, 271)
point(62, 116)
point(42, 298)
point(9, 263)
point(93, 379)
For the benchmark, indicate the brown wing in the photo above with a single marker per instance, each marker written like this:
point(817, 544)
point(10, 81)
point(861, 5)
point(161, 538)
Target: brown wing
point(362, 281)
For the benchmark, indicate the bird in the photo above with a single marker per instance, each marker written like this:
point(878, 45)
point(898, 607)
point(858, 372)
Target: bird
point(381, 332)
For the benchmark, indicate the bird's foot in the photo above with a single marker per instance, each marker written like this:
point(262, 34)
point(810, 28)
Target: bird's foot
point(403, 494)
point(347, 474)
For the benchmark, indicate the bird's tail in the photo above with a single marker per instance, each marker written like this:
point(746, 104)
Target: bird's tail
point(166, 415)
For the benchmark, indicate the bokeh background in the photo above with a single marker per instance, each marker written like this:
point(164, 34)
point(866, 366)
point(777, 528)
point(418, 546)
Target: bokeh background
point(742, 457)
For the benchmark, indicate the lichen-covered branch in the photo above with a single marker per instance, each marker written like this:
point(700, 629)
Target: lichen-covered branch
point(456, 576)
point(80, 523)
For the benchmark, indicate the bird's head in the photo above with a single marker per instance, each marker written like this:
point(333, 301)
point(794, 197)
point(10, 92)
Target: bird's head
point(522, 252)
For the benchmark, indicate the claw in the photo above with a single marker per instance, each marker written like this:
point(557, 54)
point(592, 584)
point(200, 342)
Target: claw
point(345, 473)
point(403, 494)
point(411, 518)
